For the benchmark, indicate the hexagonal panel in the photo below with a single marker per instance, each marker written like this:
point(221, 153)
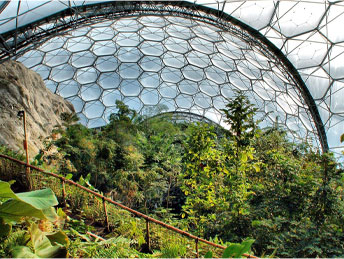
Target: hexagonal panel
point(177, 45)
point(203, 101)
point(78, 44)
point(130, 87)
point(129, 54)
point(56, 57)
point(128, 25)
point(129, 70)
point(90, 92)
point(68, 88)
point(188, 87)
point(101, 33)
point(42, 70)
point(223, 62)
point(168, 90)
point(149, 79)
point(104, 48)
point(193, 73)
point(32, 58)
point(202, 45)
point(86, 75)
point(174, 59)
point(62, 73)
point(93, 109)
point(209, 87)
point(53, 44)
point(107, 63)
point(128, 39)
point(133, 103)
point(152, 33)
point(198, 59)
point(184, 101)
point(216, 74)
point(109, 97)
point(82, 59)
point(152, 21)
point(109, 80)
point(150, 63)
point(152, 48)
point(171, 75)
point(178, 31)
point(150, 97)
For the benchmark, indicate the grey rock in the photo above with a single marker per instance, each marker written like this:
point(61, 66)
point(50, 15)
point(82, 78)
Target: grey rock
point(23, 89)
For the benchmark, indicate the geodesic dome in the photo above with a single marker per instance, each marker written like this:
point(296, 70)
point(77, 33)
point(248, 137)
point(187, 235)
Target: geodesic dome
point(188, 57)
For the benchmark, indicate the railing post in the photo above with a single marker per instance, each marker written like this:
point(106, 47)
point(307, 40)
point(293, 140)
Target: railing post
point(22, 114)
point(106, 215)
point(197, 253)
point(147, 235)
point(64, 193)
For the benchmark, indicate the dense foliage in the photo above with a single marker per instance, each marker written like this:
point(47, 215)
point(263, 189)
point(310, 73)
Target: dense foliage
point(229, 184)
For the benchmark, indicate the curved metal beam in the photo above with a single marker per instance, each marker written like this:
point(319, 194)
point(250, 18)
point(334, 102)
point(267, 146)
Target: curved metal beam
point(115, 9)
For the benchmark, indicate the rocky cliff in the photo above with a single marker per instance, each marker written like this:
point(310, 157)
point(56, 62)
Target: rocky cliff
point(23, 89)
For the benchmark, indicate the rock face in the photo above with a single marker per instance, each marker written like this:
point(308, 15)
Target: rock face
point(23, 89)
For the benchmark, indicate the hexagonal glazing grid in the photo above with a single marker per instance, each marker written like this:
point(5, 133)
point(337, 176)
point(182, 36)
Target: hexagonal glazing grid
point(177, 63)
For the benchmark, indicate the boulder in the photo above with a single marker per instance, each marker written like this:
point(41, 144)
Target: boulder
point(23, 89)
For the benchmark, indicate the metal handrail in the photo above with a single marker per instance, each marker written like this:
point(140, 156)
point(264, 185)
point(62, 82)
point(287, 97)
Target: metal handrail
point(139, 214)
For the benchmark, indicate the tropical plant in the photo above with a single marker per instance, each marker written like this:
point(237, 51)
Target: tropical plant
point(34, 205)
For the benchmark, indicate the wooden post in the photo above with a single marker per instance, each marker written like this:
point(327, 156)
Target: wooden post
point(106, 215)
point(147, 235)
point(27, 169)
point(197, 253)
point(64, 194)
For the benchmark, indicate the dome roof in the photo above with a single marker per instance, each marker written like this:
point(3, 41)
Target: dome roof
point(188, 57)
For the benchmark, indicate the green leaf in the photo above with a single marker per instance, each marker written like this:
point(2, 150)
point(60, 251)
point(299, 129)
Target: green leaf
point(69, 176)
point(237, 250)
point(58, 238)
point(246, 246)
point(5, 190)
point(5, 229)
point(9, 211)
point(32, 204)
point(231, 251)
point(50, 214)
point(42, 246)
point(256, 167)
point(243, 157)
point(41, 199)
point(342, 138)
point(209, 254)
point(22, 252)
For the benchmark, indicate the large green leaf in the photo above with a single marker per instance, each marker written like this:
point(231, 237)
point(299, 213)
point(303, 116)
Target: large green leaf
point(50, 214)
point(22, 252)
point(15, 210)
point(231, 251)
point(36, 204)
point(42, 246)
point(58, 238)
point(246, 246)
point(237, 250)
point(5, 190)
point(41, 199)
